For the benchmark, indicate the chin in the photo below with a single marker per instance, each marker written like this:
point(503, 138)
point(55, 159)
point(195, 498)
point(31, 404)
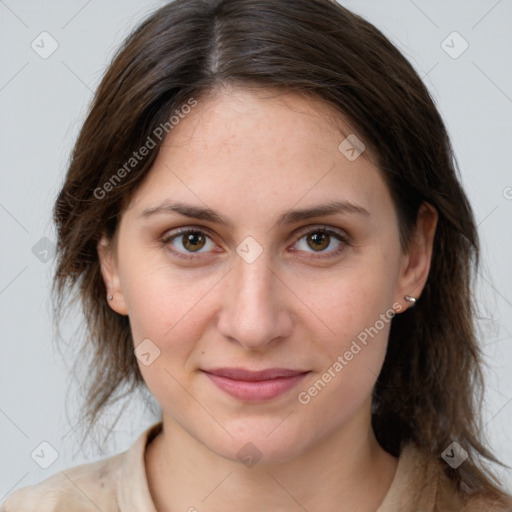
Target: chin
point(260, 444)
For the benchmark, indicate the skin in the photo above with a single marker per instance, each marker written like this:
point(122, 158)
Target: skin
point(251, 156)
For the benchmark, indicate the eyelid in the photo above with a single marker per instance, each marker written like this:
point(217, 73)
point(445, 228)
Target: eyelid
point(321, 227)
point(168, 237)
point(343, 237)
point(175, 232)
point(185, 229)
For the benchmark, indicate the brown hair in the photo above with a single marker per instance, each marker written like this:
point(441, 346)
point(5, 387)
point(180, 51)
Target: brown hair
point(431, 385)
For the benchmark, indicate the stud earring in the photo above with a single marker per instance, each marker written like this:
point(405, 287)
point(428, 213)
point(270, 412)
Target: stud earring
point(410, 299)
point(110, 297)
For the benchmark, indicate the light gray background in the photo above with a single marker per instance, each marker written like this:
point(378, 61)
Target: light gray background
point(43, 103)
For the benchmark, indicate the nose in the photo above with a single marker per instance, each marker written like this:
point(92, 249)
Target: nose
point(256, 305)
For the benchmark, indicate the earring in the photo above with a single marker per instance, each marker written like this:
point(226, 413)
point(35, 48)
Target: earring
point(110, 297)
point(411, 299)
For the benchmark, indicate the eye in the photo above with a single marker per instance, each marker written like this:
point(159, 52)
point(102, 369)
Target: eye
point(320, 239)
point(186, 242)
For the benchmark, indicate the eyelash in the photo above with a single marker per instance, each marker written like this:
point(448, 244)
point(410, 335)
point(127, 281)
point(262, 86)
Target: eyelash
point(166, 239)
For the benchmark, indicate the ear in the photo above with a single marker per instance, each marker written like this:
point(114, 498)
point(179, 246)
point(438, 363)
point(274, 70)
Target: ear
point(416, 262)
point(109, 271)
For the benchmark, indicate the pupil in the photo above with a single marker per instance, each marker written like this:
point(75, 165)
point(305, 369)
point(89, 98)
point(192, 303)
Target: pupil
point(319, 240)
point(192, 240)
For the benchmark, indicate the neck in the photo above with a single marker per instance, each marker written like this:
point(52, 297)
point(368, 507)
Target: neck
point(346, 471)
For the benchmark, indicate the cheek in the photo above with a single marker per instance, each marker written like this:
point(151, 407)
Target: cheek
point(350, 300)
point(168, 308)
point(357, 309)
point(352, 358)
point(161, 299)
point(171, 307)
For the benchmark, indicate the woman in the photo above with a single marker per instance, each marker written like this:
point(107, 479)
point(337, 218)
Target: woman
point(264, 223)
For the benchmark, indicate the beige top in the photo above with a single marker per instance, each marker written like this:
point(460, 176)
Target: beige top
point(119, 484)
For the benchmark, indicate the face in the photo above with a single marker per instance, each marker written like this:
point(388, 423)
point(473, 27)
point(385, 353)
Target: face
point(249, 284)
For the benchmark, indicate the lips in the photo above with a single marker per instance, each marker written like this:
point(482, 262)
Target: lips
point(255, 386)
point(251, 375)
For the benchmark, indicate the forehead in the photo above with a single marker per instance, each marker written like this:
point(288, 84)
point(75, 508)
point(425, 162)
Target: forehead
point(258, 150)
point(259, 122)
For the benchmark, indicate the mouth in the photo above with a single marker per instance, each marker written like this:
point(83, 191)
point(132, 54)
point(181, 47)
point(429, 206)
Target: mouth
point(255, 386)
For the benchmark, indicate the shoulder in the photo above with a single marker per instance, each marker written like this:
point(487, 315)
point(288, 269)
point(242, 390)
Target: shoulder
point(83, 488)
point(426, 486)
point(480, 503)
point(450, 497)
point(111, 484)
point(484, 505)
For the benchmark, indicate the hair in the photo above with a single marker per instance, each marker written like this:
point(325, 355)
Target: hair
point(430, 389)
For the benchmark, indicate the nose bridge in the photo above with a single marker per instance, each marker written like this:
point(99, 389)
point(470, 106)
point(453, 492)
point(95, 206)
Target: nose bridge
point(255, 280)
point(254, 310)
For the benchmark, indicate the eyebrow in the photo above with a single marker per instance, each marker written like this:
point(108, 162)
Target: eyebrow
point(289, 217)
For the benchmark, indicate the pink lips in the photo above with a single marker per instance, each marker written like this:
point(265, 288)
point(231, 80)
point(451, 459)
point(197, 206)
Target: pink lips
point(255, 386)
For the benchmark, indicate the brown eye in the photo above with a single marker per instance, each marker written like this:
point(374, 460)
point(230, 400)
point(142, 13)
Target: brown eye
point(318, 240)
point(187, 242)
point(323, 241)
point(193, 241)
